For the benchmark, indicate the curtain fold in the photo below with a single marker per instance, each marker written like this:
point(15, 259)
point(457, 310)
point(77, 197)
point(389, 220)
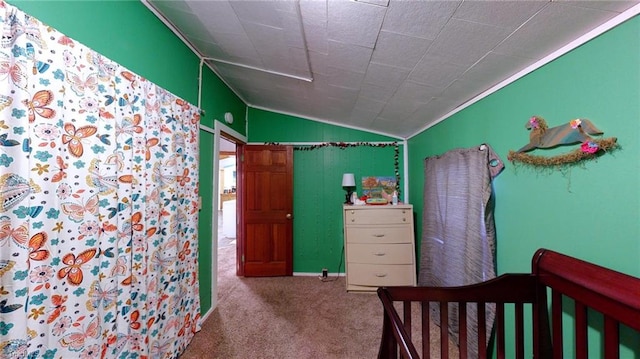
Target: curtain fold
point(99, 203)
point(458, 237)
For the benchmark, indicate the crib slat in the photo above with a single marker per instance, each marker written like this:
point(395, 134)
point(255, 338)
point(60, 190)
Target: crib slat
point(426, 329)
point(389, 345)
point(394, 335)
point(462, 331)
point(581, 331)
point(611, 338)
point(500, 330)
point(406, 309)
point(444, 330)
point(519, 312)
point(556, 315)
point(482, 330)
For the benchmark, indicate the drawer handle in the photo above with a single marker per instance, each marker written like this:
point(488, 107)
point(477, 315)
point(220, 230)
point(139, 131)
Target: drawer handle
point(380, 254)
point(381, 275)
point(378, 235)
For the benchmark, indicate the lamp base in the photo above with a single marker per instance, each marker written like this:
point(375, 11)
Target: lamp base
point(348, 197)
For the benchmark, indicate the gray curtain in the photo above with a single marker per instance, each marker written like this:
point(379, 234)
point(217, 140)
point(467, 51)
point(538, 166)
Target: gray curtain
point(458, 236)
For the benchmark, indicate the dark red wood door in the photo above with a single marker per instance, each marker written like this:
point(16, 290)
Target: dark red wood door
point(267, 204)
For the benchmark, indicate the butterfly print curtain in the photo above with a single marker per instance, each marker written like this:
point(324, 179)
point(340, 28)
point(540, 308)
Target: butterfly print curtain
point(98, 203)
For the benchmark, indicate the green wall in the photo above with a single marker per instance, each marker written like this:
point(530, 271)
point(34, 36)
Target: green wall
point(590, 211)
point(317, 177)
point(205, 221)
point(128, 33)
point(217, 99)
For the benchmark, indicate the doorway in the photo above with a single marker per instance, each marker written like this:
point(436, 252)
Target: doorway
point(227, 206)
point(227, 192)
point(227, 195)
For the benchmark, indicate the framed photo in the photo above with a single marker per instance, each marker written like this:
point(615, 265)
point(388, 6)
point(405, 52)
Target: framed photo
point(373, 186)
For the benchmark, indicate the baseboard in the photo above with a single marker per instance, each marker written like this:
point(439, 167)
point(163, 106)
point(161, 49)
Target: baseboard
point(308, 274)
point(206, 315)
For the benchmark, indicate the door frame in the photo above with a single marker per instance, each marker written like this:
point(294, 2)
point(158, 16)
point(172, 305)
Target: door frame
point(222, 130)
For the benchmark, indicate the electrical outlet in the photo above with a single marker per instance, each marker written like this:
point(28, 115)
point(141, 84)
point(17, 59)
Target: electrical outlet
point(325, 272)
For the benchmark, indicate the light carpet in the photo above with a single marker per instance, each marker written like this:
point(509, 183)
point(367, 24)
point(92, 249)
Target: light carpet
point(288, 317)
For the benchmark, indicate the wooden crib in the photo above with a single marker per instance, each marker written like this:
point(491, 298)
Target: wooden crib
point(592, 289)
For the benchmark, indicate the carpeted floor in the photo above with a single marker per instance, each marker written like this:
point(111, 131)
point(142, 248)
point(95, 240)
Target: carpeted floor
point(287, 317)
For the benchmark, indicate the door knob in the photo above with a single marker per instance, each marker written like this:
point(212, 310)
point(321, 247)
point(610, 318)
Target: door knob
point(289, 216)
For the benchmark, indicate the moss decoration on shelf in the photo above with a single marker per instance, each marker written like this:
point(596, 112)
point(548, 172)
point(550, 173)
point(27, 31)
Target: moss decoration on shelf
point(571, 133)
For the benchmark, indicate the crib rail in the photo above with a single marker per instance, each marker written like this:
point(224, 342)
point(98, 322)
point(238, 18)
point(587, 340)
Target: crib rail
point(577, 289)
point(592, 289)
point(518, 289)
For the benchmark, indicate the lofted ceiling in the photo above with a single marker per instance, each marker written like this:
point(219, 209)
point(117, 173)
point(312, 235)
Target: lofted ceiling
point(393, 67)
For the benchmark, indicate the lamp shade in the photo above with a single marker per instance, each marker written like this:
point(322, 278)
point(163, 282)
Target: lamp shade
point(348, 180)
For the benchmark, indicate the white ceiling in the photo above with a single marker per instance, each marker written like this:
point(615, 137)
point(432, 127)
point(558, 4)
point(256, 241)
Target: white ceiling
point(388, 66)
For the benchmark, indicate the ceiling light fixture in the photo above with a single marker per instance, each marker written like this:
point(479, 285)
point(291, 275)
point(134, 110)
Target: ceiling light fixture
point(228, 117)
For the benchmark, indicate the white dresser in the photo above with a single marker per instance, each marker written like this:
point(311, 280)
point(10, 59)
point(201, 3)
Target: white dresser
point(379, 246)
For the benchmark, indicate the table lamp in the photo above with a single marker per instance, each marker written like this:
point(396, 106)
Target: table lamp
point(349, 184)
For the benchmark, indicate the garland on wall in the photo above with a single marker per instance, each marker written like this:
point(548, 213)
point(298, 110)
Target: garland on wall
point(573, 132)
point(344, 145)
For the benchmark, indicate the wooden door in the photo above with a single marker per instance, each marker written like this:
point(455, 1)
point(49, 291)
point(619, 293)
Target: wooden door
point(267, 206)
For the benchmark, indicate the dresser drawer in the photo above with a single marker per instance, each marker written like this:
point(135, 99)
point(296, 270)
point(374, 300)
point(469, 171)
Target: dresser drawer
point(379, 234)
point(385, 215)
point(401, 253)
point(376, 275)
